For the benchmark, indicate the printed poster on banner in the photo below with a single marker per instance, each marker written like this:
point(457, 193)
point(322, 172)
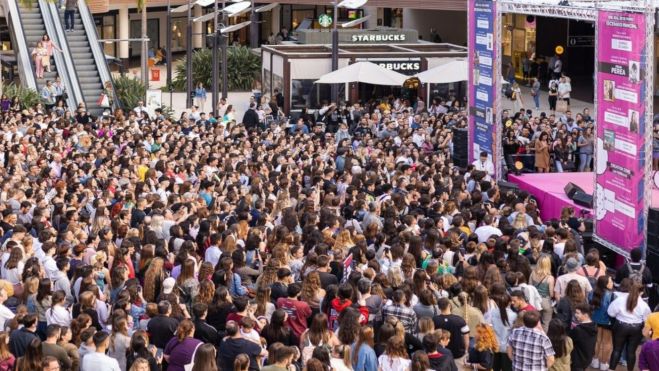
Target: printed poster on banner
point(482, 27)
point(620, 145)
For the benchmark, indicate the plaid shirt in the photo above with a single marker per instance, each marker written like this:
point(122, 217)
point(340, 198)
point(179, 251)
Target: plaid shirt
point(405, 315)
point(531, 348)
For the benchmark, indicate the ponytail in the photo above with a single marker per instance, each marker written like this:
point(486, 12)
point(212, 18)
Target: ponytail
point(632, 299)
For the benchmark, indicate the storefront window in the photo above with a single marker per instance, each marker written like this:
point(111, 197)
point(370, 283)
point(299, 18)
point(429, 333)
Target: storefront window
point(277, 83)
point(304, 93)
point(178, 33)
point(266, 82)
point(518, 43)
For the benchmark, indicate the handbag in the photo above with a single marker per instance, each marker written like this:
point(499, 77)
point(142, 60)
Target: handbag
point(561, 105)
point(190, 365)
point(103, 100)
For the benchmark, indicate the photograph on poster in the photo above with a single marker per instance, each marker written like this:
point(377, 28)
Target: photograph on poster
point(634, 72)
point(609, 90)
point(609, 139)
point(633, 121)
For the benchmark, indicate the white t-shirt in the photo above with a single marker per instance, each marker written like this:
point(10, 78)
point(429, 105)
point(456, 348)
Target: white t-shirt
point(393, 364)
point(5, 315)
point(484, 232)
point(99, 362)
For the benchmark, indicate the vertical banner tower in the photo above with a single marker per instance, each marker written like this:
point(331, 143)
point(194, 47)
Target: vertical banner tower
point(484, 28)
point(623, 146)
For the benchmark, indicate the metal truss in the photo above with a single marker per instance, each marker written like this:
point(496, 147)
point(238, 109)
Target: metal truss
point(585, 10)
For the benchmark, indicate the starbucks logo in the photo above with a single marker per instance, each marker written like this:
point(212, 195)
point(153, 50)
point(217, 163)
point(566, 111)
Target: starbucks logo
point(325, 20)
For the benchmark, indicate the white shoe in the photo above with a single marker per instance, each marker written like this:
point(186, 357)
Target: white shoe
point(604, 366)
point(595, 363)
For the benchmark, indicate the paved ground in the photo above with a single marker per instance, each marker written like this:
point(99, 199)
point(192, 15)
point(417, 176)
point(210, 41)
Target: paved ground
point(527, 99)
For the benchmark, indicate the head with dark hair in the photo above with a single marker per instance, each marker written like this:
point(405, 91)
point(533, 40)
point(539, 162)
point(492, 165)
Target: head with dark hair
point(531, 318)
point(293, 290)
point(557, 335)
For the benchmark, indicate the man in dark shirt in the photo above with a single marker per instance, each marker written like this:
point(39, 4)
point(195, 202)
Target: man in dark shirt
point(233, 345)
point(19, 340)
point(584, 337)
point(456, 326)
point(326, 278)
point(161, 328)
point(202, 330)
point(438, 361)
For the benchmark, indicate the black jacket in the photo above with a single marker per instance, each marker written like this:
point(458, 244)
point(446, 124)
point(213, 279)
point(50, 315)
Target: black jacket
point(205, 332)
point(161, 329)
point(584, 336)
point(251, 119)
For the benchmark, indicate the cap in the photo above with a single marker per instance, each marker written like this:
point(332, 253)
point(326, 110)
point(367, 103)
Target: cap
point(572, 264)
point(168, 285)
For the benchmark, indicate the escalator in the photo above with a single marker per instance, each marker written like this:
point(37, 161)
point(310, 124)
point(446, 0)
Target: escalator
point(88, 56)
point(35, 21)
point(81, 65)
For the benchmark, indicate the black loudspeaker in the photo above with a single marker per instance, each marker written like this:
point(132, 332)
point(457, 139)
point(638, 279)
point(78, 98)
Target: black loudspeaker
point(571, 188)
point(460, 148)
point(583, 199)
point(504, 186)
point(530, 19)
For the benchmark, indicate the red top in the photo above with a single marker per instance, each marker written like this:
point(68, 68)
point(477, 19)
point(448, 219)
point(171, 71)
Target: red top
point(298, 312)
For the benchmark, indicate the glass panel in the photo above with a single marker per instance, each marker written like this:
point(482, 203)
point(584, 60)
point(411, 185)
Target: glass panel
point(266, 81)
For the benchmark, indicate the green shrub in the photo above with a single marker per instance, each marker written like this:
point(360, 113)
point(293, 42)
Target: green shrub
point(28, 97)
point(129, 90)
point(243, 67)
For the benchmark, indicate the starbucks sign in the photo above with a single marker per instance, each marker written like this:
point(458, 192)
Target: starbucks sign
point(325, 20)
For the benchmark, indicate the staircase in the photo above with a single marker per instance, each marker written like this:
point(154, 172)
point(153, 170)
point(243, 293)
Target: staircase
point(89, 77)
point(34, 29)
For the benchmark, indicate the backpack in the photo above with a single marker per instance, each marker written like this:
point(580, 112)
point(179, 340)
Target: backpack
point(636, 275)
point(591, 279)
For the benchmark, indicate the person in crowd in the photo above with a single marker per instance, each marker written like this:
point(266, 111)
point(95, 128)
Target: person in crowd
point(630, 312)
point(529, 348)
point(128, 240)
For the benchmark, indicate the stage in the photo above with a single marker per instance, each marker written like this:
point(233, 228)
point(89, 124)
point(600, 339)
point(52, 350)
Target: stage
point(548, 191)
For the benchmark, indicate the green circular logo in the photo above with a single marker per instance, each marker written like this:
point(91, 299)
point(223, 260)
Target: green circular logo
point(325, 20)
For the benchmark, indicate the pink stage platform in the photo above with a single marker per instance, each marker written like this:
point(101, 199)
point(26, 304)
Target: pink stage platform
point(548, 190)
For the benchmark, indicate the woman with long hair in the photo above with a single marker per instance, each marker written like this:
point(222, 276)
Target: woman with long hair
point(87, 305)
point(7, 360)
point(542, 279)
point(502, 318)
point(31, 361)
point(140, 349)
point(187, 282)
point(204, 358)
point(241, 363)
point(600, 299)
point(395, 356)
point(206, 292)
point(65, 338)
point(363, 356)
point(316, 335)
point(561, 343)
point(278, 331)
point(420, 361)
point(630, 313)
point(179, 350)
point(574, 295)
point(340, 358)
point(312, 292)
point(481, 356)
point(119, 341)
point(43, 303)
point(153, 278)
point(264, 306)
point(220, 308)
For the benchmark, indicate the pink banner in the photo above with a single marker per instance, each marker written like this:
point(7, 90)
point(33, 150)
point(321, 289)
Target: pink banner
point(620, 204)
point(483, 24)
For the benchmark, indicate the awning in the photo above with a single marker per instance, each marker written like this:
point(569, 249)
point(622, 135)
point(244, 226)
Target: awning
point(366, 72)
point(453, 71)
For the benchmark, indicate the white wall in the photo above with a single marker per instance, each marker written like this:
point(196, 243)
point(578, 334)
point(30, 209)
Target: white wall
point(451, 25)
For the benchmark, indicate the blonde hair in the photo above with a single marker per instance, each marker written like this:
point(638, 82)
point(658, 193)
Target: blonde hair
point(543, 267)
point(426, 325)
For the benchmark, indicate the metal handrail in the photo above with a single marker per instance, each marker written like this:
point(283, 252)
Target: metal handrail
point(53, 27)
point(97, 52)
point(23, 58)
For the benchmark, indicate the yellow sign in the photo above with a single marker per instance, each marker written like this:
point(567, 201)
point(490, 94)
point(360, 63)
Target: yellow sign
point(559, 50)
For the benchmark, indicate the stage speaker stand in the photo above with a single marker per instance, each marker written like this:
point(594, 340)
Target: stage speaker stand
point(460, 148)
point(570, 190)
point(583, 199)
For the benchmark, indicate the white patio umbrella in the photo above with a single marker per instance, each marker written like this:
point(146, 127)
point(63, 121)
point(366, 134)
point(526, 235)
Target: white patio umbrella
point(453, 71)
point(366, 72)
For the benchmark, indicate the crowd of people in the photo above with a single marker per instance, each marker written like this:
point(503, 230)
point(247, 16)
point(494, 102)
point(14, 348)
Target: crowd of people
point(346, 240)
